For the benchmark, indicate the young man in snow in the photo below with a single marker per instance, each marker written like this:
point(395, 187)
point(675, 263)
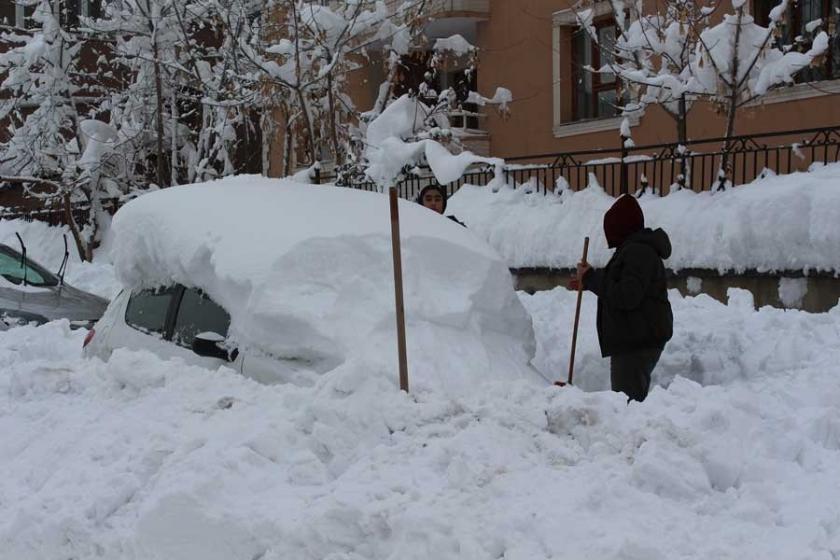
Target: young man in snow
point(433, 197)
point(634, 314)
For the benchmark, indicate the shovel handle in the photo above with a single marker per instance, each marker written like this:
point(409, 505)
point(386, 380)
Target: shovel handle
point(577, 315)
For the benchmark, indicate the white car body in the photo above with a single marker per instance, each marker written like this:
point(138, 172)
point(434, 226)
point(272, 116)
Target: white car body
point(114, 331)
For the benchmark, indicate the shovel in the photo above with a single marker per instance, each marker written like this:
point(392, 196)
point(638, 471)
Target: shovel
point(577, 320)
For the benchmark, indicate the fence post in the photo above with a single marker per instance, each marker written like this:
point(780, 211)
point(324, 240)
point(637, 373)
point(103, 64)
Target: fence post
point(625, 188)
point(683, 176)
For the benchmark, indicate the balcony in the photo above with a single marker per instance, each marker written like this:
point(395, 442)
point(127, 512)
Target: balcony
point(472, 9)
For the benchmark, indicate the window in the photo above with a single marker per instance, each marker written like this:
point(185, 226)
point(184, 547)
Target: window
point(414, 71)
point(595, 94)
point(7, 12)
point(12, 269)
point(71, 10)
point(18, 15)
point(816, 15)
point(15, 15)
point(198, 314)
point(462, 83)
point(148, 310)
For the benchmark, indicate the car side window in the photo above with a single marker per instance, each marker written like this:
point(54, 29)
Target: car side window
point(147, 310)
point(197, 313)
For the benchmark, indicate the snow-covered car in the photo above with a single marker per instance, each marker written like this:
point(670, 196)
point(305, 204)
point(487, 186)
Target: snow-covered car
point(285, 282)
point(29, 293)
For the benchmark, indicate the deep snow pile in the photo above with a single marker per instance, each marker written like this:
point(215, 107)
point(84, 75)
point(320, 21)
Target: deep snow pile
point(712, 344)
point(306, 274)
point(44, 244)
point(786, 222)
point(139, 458)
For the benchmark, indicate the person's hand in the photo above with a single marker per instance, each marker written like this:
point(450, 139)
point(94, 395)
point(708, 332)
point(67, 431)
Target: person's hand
point(582, 268)
point(573, 283)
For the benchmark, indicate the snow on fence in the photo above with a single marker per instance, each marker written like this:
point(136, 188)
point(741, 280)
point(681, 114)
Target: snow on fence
point(694, 165)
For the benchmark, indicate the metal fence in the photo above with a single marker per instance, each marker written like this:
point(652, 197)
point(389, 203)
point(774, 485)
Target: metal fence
point(55, 214)
point(694, 165)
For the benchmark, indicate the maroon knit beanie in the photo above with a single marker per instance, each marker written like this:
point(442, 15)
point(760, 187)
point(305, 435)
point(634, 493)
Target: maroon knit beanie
point(622, 220)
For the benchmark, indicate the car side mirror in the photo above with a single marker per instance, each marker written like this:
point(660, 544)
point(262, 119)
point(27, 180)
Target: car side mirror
point(209, 345)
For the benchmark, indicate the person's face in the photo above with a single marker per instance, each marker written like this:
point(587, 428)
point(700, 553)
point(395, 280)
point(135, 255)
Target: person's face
point(433, 201)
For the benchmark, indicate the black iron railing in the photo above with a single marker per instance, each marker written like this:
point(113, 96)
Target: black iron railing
point(695, 165)
point(55, 214)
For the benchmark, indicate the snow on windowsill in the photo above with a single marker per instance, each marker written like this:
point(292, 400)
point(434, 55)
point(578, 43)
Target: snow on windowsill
point(589, 126)
point(797, 92)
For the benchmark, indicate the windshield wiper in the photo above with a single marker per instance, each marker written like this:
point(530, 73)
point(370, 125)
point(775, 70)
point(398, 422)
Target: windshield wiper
point(63, 268)
point(23, 258)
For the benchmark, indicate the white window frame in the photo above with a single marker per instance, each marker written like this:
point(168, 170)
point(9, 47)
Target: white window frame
point(561, 129)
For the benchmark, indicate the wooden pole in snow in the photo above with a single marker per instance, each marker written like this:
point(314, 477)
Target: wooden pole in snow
point(398, 288)
point(577, 314)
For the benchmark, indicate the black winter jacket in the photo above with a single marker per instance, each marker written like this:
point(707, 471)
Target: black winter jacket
point(633, 309)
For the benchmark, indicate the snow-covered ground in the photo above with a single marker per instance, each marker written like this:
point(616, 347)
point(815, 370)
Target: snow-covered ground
point(735, 453)
point(785, 222)
point(140, 458)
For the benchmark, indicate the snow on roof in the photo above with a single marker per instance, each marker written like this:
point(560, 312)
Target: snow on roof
point(306, 274)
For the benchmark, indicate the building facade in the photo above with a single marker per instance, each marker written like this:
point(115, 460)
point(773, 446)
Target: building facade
point(537, 50)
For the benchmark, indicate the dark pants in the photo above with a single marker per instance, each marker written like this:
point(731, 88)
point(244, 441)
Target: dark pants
point(630, 373)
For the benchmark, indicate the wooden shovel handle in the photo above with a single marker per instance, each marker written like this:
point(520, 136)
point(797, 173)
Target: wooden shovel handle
point(577, 314)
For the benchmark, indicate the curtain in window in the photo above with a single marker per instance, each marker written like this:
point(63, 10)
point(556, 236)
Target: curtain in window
point(7, 12)
point(582, 57)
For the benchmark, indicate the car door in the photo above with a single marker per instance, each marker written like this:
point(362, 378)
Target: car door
point(196, 313)
point(19, 283)
point(165, 321)
point(145, 321)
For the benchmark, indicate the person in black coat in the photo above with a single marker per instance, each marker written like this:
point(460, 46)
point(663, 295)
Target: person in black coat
point(634, 315)
point(434, 198)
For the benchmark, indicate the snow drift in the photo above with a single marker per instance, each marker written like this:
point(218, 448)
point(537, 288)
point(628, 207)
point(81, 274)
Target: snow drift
point(785, 222)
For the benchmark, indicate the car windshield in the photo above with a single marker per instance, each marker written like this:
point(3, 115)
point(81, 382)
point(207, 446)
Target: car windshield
point(12, 269)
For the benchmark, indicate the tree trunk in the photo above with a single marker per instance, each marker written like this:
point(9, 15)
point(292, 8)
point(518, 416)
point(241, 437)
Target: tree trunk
point(338, 154)
point(732, 108)
point(84, 253)
point(173, 154)
point(288, 143)
point(682, 139)
point(161, 152)
point(304, 107)
point(266, 139)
